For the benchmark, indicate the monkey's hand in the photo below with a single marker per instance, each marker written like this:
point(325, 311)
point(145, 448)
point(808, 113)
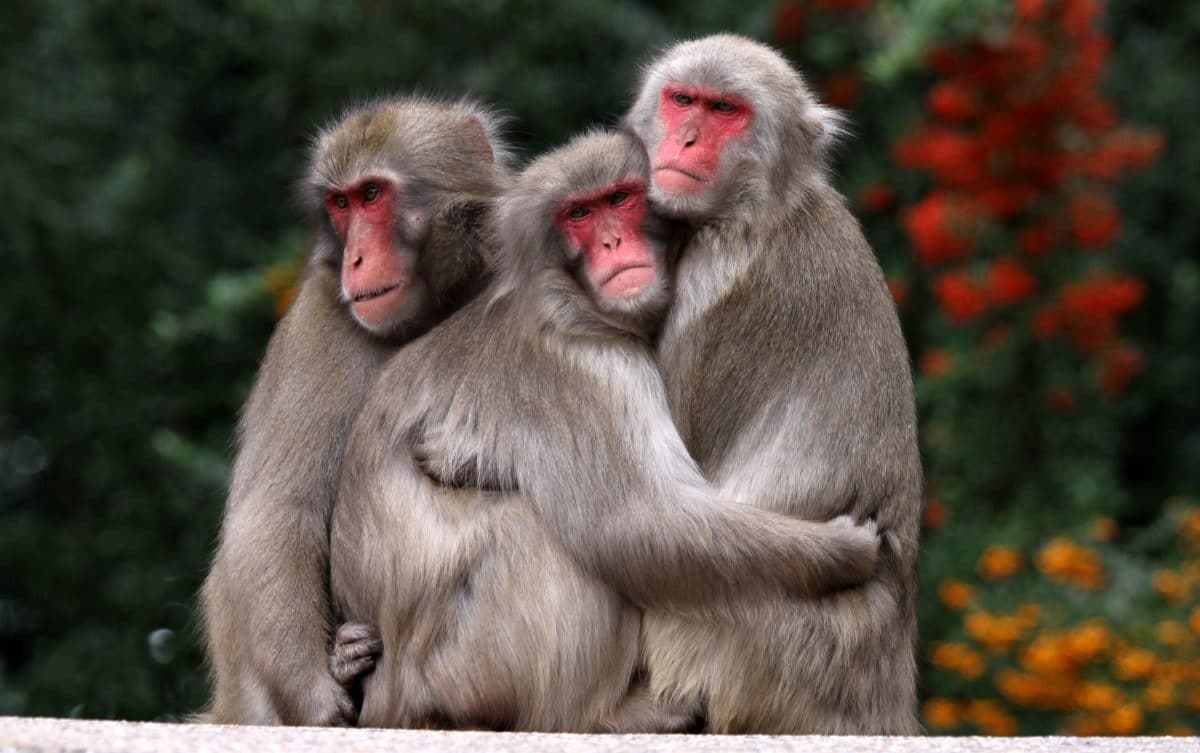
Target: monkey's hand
point(858, 552)
point(463, 467)
point(355, 648)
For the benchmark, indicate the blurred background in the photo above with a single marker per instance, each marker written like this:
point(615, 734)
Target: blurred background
point(1023, 169)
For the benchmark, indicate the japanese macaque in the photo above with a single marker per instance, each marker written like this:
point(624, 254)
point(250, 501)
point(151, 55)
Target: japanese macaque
point(397, 189)
point(789, 381)
point(514, 490)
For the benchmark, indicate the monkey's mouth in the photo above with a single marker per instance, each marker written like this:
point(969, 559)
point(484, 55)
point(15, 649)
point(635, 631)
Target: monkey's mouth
point(629, 282)
point(677, 180)
point(368, 295)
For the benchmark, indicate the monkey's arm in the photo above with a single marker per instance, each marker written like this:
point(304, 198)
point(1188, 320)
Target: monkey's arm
point(630, 504)
point(265, 602)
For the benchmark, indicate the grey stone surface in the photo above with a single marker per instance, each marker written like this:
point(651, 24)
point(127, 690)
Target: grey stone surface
point(37, 734)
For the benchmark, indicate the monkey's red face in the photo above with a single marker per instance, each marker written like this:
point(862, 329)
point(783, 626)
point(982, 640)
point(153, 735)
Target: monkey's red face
point(607, 227)
point(699, 124)
point(376, 271)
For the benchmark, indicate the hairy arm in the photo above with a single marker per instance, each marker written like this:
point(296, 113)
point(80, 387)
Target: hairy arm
point(265, 602)
point(588, 439)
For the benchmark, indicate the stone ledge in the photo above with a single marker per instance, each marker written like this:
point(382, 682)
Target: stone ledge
point(76, 736)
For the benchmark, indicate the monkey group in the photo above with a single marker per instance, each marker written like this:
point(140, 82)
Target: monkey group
point(622, 441)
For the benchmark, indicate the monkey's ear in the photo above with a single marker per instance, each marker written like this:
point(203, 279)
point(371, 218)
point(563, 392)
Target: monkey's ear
point(478, 135)
point(822, 125)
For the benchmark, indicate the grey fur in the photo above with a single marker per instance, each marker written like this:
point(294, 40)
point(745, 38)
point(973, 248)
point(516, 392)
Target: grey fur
point(265, 603)
point(788, 378)
point(512, 604)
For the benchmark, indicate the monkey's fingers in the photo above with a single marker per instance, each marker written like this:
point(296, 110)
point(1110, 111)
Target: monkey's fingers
point(352, 632)
point(858, 554)
point(348, 672)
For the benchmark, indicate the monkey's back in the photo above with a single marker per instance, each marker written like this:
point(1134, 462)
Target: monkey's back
point(793, 392)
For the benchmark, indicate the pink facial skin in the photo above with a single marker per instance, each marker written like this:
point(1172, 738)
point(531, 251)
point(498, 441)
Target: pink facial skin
point(374, 272)
point(606, 226)
point(699, 123)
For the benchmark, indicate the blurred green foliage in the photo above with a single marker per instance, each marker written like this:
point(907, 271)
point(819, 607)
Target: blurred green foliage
point(147, 156)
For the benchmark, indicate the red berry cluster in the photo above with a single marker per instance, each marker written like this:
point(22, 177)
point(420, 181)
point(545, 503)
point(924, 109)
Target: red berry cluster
point(1024, 150)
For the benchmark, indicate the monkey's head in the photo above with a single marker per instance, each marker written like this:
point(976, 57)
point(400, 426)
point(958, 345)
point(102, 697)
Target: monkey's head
point(579, 218)
point(382, 178)
point(727, 121)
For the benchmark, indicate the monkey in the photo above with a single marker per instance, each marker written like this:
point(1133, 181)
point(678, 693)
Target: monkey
point(514, 492)
point(396, 190)
point(790, 383)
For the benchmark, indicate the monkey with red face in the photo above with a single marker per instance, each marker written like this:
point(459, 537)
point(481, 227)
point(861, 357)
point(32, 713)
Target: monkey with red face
point(397, 190)
point(789, 381)
point(514, 490)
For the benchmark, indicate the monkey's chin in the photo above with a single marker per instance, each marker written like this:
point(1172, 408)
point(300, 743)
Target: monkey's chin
point(629, 283)
point(394, 313)
point(682, 206)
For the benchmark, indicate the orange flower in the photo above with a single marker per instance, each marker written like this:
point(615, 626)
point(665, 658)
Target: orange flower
point(1194, 621)
point(1135, 664)
point(1086, 642)
point(940, 713)
point(1060, 401)
point(1171, 586)
point(1172, 633)
point(958, 658)
point(1046, 656)
point(995, 632)
point(990, 717)
point(998, 562)
point(1126, 720)
point(1097, 696)
point(1160, 695)
point(955, 594)
point(1066, 562)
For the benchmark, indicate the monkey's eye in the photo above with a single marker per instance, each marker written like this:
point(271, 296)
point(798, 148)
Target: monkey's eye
point(578, 213)
point(370, 191)
point(723, 107)
point(617, 198)
point(341, 202)
point(682, 99)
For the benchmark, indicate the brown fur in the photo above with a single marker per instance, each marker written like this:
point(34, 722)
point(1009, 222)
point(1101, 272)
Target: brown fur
point(789, 380)
point(512, 604)
point(265, 604)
